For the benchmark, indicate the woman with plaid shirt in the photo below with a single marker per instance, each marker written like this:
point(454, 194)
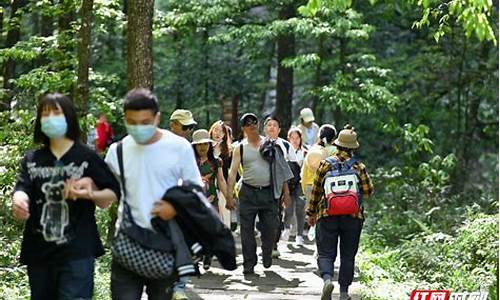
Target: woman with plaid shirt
point(330, 228)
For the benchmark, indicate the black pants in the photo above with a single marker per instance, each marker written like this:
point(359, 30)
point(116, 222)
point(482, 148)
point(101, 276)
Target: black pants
point(328, 232)
point(255, 202)
point(126, 285)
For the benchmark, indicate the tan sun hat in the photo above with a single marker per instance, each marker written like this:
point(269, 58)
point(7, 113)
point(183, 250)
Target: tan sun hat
point(306, 115)
point(347, 138)
point(201, 136)
point(183, 116)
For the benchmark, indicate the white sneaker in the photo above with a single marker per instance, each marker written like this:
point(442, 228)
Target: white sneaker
point(285, 235)
point(276, 254)
point(299, 240)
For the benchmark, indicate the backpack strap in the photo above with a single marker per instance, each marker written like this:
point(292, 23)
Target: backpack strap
point(119, 154)
point(241, 153)
point(333, 163)
point(287, 146)
point(348, 164)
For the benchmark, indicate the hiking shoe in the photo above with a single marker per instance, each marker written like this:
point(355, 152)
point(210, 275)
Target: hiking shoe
point(299, 240)
point(179, 295)
point(207, 262)
point(248, 271)
point(267, 261)
point(326, 294)
point(344, 296)
point(275, 254)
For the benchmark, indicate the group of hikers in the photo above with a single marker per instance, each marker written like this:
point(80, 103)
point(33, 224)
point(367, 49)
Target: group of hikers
point(271, 183)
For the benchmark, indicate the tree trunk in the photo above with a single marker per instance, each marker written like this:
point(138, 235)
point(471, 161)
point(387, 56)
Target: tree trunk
point(140, 44)
point(1, 24)
point(9, 67)
point(82, 85)
point(35, 22)
point(317, 108)
point(284, 82)
point(206, 75)
point(178, 71)
point(267, 76)
point(46, 25)
point(68, 15)
point(337, 112)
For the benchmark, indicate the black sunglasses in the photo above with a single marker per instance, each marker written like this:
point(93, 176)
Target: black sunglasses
point(187, 127)
point(250, 121)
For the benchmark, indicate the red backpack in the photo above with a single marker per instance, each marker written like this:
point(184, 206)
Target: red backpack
point(341, 186)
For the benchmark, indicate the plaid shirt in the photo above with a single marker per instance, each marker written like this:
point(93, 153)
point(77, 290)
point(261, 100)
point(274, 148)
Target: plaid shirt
point(316, 205)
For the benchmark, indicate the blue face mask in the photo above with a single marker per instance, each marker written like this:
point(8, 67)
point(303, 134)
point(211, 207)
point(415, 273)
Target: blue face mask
point(141, 133)
point(54, 126)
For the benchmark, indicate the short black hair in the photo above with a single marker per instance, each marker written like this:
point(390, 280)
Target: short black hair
point(272, 118)
point(52, 100)
point(247, 116)
point(139, 99)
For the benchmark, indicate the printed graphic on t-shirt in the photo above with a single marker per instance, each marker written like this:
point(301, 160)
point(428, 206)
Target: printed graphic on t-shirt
point(54, 219)
point(55, 213)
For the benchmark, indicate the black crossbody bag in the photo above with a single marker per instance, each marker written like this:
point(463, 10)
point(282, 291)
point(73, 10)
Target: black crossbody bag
point(142, 251)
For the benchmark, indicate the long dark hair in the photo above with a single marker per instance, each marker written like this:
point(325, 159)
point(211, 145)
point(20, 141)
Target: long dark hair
point(210, 154)
point(52, 100)
point(224, 146)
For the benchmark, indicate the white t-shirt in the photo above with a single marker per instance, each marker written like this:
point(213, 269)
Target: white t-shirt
point(300, 154)
point(290, 152)
point(150, 170)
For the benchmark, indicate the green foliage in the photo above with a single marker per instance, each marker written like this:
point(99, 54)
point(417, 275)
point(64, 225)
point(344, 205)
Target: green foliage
point(465, 260)
point(426, 113)
point(473, 15)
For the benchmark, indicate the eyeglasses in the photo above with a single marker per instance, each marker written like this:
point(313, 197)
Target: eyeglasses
point(251, 121)
point(187, 127)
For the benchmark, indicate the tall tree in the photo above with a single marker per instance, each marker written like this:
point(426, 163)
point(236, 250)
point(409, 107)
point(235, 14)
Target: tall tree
point(82, 85)
point(140, 44)
point(9, 67)
point(284, 82)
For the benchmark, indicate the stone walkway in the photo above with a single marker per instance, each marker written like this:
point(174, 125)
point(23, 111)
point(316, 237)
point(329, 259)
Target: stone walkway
point(292, 276)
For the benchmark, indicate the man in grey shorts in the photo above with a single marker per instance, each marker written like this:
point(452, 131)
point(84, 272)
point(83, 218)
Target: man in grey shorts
point(256, 195)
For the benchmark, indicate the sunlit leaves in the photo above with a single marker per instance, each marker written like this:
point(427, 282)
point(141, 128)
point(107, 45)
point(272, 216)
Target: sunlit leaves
point(473, 15)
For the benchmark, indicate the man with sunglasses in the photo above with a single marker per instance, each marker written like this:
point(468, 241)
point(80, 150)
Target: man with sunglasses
point(256, 195)
point(182, 123)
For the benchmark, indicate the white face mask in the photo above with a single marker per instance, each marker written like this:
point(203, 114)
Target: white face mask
point(141, 133)
point(54, 126)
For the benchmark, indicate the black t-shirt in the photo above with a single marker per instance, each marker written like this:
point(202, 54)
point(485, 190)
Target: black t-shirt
point(59, 230)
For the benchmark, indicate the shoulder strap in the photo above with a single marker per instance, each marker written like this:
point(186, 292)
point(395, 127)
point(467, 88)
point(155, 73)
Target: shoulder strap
point(334, 164)
point(241, 153)
point(287, 146)
point(348, 164)
point(119, 154)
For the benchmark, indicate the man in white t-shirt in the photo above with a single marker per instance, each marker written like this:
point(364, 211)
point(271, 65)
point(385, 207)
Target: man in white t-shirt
point(272, 130)
point(151, 163)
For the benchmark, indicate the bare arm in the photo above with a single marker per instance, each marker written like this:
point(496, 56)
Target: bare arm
point(221, 182)
point(20, 206)
point(85, 188)
point(231, 180)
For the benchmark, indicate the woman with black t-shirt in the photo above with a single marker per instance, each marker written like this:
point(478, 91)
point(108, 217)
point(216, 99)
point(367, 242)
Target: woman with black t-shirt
point(58, 188)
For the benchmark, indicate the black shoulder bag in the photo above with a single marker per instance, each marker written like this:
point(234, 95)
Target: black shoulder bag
point(140, 250)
